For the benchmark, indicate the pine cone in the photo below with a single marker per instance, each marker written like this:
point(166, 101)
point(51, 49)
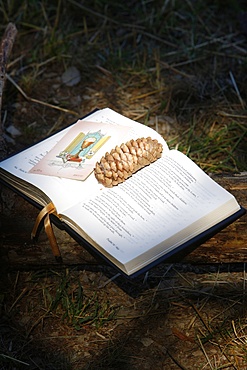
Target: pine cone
point(116, 166)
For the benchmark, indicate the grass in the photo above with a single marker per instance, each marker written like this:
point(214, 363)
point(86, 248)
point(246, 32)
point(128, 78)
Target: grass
point(73, 305)
point(36, 301)
point(177, 66)
point(205, 312)
point(170, 47)
point(215, 147)
point(62, 294)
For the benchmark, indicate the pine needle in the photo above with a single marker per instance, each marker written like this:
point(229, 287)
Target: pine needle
point(237, 90)
point(205, 353)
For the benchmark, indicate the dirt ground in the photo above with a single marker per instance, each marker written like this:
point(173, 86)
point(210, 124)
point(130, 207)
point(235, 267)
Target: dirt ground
point(178, 316)
point(82, 314)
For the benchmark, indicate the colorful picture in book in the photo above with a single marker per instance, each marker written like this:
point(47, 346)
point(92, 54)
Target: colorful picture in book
point(75, 154)
point(83, 147)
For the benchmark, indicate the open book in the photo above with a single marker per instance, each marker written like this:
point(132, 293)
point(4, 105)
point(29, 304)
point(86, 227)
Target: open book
point(162, 209)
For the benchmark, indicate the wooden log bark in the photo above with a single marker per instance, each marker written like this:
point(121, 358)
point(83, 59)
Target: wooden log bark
point(18, 252)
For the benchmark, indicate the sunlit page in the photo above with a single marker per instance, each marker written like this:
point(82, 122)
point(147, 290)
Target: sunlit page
point(151, 206)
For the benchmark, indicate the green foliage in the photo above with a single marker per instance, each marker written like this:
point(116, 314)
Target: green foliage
point(75, 306)
point(215, 147)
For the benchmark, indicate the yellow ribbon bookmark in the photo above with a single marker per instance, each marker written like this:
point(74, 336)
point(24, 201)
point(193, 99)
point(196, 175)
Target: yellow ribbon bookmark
point(45, 214)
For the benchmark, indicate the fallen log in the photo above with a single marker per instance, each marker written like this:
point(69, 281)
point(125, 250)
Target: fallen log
point(18, 252)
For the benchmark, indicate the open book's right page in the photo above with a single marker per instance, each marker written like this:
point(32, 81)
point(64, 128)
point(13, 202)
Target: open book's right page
point(157, 209)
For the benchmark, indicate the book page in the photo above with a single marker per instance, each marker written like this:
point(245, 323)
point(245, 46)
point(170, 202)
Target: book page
point(66, 192)
point(152, 206)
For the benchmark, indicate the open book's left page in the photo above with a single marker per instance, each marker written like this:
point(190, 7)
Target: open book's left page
point(65, 192)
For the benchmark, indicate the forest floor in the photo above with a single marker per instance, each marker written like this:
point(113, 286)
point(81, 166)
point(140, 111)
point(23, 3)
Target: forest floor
point(179, 67)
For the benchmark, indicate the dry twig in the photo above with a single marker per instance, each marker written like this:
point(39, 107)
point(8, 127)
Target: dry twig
point(6, 47)
point(237, 90)
point(28, 98)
